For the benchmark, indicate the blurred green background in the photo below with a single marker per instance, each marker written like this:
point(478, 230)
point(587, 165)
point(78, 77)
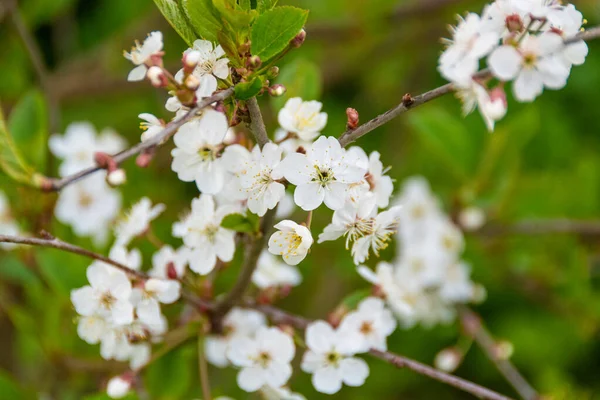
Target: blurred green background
point(541, 162)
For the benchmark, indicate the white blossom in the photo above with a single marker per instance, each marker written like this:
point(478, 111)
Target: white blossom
point(264, 359)
point(469, 43)
point(89, 206)
point(492, 106)
point(282, 393)
point(322, 174)
point(92, 328)
point(79, 144)
point(371, 323)
point(141, 55)
point(201, 231)
point(291, 242)
point(118, 387)
point(237, 323)
point(271, 272)
point(168, 263)
point(329, 358)
point(533, 65)
point(303, 118)
point(384, 225)
point(107, 295)
point(354, 220)
point(211, 65)
point(137, 221)
point(196, 157)
point(151, 126)
point(146, 299)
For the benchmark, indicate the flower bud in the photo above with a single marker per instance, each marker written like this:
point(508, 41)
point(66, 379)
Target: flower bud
point(191, 59)
point(514, 23)
point(352, 115)
point(144, 159)
point(116, 177)
point(277, 90)
point(253, 62)
point(448, 359)
point(157, 77)
point(471, 218)
point(299, 39)
point(191, 82)
point(273, 72)
point(119, 386)
point(504, 349)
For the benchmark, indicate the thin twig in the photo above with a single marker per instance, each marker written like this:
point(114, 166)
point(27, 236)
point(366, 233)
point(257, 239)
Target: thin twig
point(71, 248)
point(473, 325)
point(282, 317)
point(408, 102)
point(257, 125)
point(57, 184)
point(542, 227)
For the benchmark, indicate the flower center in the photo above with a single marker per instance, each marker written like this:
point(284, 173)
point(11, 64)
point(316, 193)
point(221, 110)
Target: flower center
point(211, 231)
point(323, 175)
point(207, 153)
point(418, 211)
point(85, 200)
point(333, 358)
point(107, 300)
point(529, 60)
point(263, 359)
point(206, 67)
point(366, 328)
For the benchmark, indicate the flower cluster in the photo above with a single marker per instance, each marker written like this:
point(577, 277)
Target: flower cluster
point(90, 205)
point(121, 311)
point(428, 278)
point(523, 42)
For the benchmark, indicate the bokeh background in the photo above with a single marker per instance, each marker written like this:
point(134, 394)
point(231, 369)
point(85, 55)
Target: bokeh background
point(541, 163)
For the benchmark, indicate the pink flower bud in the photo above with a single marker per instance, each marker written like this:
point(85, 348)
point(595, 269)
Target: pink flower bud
point(253, 62)
point(299, 39)
point(277, 90)
point(514, 23)
point(119, 386)
point(273, 72)
point(191, 82)
point(352, 115)
point(191, 59)
point(157, 77)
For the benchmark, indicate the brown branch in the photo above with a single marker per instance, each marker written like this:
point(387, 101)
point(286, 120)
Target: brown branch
point(473, 325)
point(542, 227)
point(408, 102)
point(257, 125)
point(53, 184)
point(282, 317)
point(70, 248)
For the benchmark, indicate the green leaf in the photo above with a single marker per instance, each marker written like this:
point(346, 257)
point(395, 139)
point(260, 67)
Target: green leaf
point(246, 90)
point(203, 17)
point(238, 18)
point(245, 4)
point(174, 14)
point(228, 46)
point(11, 160)
point(301, 78)
point(265, 5)
point(29, 128)
point(351, 301)
point(241, 223)
point(273, 30)
point(10, 389)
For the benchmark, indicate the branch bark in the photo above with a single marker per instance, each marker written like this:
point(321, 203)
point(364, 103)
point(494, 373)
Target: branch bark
point(282, 317)
point(408, 102)
point(473, 325)
point(257, 125)
point(54, 184)
point(70, 248)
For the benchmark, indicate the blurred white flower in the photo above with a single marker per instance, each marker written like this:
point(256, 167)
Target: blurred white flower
point(168, 263)
point(271, 272)
point(151, 126)
point(137, 221)
point(303, 118)
point(8, 226)
point(146, 299)
point(264, 359)
point(118, 387)
point(329, 358)
point(371, 323)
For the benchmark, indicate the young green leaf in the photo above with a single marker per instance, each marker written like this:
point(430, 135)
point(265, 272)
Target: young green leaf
point(174, 14)
point(273, 30)
point(265, 5)
point(246, 90)
point(203, 17)
point(238, 18)
point(241, 223)
point(29, 128)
